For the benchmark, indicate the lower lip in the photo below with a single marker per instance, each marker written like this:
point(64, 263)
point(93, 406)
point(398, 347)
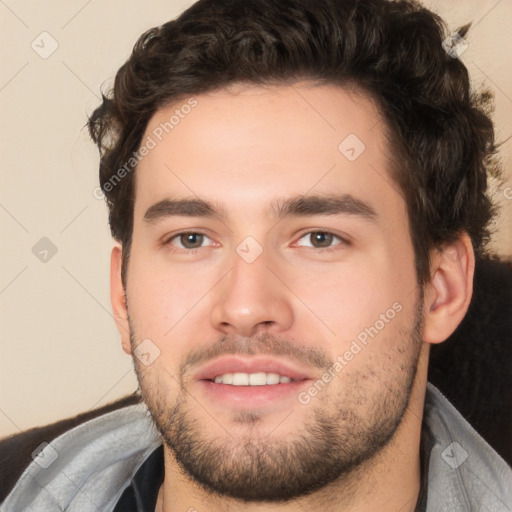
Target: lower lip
point(248, 397)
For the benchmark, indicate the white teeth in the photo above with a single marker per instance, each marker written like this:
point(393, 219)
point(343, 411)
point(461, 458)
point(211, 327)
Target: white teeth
point(257, 379)
point(272, 378)
point(240, 379)
point(228, 378)
point(252, 379)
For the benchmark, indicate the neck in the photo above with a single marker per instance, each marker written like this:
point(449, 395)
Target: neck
point(388, 482)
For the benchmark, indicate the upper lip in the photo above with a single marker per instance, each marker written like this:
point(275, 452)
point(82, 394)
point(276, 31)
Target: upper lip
point(249, 364)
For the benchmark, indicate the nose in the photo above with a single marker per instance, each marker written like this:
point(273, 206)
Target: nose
point(251, 299)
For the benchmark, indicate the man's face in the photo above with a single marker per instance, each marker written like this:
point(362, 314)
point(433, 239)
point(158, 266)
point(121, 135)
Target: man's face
point(264, 288)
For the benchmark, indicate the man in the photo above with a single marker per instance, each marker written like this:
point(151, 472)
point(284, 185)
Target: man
point(298, 191)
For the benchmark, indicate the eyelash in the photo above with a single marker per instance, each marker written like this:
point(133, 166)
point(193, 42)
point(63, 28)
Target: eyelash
point(330, 249)
point(342, 240)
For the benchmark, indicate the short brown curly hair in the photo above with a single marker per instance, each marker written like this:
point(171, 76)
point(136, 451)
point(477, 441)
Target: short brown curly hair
point(441, 131)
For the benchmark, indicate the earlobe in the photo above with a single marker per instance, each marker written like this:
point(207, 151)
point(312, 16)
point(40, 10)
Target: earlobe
point(449, 291)
point(118, 298)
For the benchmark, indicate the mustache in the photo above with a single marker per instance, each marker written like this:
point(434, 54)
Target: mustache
point(264, 344)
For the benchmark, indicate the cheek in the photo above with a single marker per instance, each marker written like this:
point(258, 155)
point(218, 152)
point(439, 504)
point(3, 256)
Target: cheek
point(159, 303)
point(350, 296)
point(167, 305)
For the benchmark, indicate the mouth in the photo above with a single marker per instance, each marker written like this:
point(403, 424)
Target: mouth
point(250, 382)
point(251, 371)
point(252, 379)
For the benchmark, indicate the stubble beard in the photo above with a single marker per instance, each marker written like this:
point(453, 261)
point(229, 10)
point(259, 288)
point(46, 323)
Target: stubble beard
point(329, 445)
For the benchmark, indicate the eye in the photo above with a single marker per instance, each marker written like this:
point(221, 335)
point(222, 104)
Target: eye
point(188, 240)
point(319, 240)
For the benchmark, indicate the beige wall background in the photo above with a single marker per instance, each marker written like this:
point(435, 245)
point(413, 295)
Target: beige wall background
point(60, 352)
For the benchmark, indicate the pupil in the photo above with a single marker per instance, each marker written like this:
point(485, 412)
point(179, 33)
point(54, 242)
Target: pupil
point(322, 239)
point(192, 240)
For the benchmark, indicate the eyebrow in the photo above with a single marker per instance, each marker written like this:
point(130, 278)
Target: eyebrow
point(292, 207)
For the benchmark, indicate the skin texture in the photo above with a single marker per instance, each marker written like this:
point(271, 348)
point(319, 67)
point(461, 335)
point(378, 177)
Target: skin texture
point(355, 444)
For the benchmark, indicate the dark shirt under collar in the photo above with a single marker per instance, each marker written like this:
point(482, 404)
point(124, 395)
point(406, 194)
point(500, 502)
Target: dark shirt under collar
point(142, 493)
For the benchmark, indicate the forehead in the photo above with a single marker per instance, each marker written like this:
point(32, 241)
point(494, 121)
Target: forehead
point(248, 145)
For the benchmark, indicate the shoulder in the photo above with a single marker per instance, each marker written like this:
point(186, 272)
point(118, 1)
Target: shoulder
point(61, 442)
point(464, 470)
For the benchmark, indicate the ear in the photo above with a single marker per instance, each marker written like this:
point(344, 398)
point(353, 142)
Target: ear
point(449, 290)
point(118, 298)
